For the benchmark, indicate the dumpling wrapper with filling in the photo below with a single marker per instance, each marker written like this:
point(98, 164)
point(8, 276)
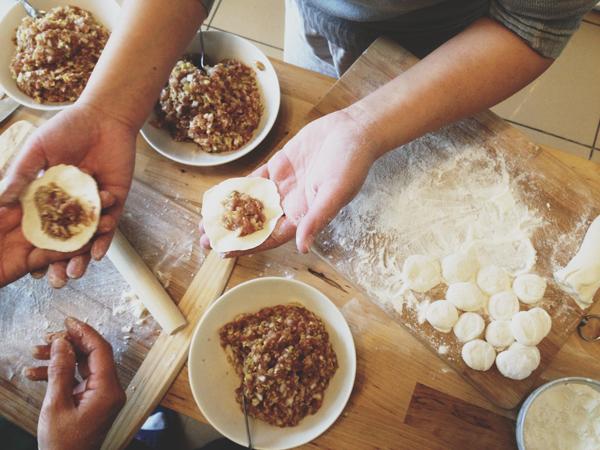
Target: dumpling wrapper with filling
point(224, 240)
point(76, 184)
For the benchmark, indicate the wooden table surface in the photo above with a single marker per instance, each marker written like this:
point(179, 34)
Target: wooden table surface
point(404, 396)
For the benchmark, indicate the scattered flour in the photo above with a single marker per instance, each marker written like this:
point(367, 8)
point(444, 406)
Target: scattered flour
point(31, 308)
point(434, 198)
point(565, 416)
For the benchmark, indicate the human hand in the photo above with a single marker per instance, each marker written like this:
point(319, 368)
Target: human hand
point(76, 415)
point(317, 173)
point(98, 144)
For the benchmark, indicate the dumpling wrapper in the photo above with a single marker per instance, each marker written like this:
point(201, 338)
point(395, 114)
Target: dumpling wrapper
point(78, 185)
point(224, 240)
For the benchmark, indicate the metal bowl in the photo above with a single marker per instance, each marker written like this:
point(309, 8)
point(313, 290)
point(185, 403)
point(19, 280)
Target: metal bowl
point(529, 401)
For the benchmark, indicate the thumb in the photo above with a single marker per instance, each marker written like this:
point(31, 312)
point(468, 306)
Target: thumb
point(323, 209)
point(22, 171)
point(61, 373)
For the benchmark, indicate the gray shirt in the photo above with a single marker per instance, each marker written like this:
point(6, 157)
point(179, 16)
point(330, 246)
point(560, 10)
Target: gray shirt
point(545, 25)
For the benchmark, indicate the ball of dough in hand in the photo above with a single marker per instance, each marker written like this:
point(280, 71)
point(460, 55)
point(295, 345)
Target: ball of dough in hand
point(460, 266)
point(503, 305)
point(421, 273)
point(478, 354)
point(466, 296)
point(442, 315)
point(530, 288)
point(469, 326)
point(518, 361)
point(493, 279)
point(499, 334)
point(530, 327)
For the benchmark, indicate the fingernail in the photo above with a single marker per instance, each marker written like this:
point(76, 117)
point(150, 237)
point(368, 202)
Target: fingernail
point(56, 282)
point(38, 274)
point(74, 268)
point(71, 322)
point(58, 343)
point(51, 337)
point(98, 254)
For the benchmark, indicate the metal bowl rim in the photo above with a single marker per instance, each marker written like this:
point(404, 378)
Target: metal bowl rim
point(535, 394)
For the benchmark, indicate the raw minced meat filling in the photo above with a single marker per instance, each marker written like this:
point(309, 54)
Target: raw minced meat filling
point(56, 54)
point(61, 215)
point(285, 360)
point(218, 110)
point(244, 213)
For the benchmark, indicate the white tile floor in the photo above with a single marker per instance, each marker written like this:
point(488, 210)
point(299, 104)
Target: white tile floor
point(560, 109)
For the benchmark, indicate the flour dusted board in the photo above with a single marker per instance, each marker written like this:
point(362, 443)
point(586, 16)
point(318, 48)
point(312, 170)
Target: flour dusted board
point(479, 176)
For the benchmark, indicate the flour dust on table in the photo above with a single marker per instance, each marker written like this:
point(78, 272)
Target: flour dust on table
point(100, 299)
point(442, 222)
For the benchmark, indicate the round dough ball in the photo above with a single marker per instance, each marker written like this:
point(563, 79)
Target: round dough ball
point(503, 305)
point(542, 318)
point(493, 279)
point(224, 240)
point(466, 296)
point(79, 186)
point(442, 315)
point(421, 272)
point(518, 361)
point(459, 267)
point(499, 334)
point(478, 354)
point(530, 327)
point(529, 288)
point(469, 326)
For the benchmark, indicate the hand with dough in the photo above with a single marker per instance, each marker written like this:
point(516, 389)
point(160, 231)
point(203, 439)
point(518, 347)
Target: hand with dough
point(98, 144)
point(317, 173)
point(76, 415)
point(98, 133)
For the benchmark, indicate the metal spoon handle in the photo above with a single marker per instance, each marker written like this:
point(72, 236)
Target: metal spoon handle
point(31, 11)
point(202, 52)
point(249, 436)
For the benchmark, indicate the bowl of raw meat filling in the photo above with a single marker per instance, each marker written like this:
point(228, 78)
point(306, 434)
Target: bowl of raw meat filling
point(283, 349)
point(214, 116)
point(45, 63)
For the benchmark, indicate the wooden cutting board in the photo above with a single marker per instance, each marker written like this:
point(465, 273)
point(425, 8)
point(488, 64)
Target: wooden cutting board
point(565, 202)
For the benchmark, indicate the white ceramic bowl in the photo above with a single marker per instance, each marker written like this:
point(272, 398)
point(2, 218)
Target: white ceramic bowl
point(105, 12)
point(213, 380)
point(220, 45)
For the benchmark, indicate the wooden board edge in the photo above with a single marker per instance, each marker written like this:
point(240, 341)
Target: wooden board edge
point(168, 354)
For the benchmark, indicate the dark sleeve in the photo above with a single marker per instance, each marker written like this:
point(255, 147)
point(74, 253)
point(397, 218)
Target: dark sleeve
point(545, 25)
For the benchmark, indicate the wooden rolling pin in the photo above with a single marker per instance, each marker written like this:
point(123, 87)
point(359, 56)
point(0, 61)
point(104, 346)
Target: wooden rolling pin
point(145, 285)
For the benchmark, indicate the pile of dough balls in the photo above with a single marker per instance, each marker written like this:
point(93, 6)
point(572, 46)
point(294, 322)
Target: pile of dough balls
point(474, 294)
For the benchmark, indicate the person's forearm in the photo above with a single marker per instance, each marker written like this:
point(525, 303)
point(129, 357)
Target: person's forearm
point(478, 68)
point(139, 56)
